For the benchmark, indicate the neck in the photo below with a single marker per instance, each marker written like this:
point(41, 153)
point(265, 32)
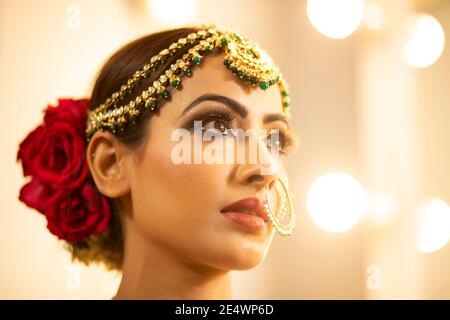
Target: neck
point(153, 271)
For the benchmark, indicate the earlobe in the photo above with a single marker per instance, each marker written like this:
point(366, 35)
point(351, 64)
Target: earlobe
point(106, 160)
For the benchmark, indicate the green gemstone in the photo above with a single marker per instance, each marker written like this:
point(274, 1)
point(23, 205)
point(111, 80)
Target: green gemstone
point(254, 80)
point(224, 41)
point(286, 104)
point(284, 93)
point(197, 60)
point(186, 72)
point(165, 94)
point(176, 84)
point(150, 105)
point(227, 62)
point(263, 85)
point(241, 74)
point(113, 129)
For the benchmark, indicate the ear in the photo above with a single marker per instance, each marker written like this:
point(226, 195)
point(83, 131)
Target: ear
point(107, 162)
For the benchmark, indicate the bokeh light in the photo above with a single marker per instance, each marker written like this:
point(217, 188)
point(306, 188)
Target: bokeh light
point(174, 12)
point(336, 202)
point(335, 18)
point(426, 43)
point(434, 225)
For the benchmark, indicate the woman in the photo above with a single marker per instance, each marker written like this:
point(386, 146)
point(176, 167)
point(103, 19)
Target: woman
point(107, 175)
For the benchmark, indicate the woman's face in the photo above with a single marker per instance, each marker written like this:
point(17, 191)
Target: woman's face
point(179, 205)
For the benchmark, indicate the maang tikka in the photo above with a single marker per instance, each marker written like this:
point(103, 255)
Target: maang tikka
point(243, 57)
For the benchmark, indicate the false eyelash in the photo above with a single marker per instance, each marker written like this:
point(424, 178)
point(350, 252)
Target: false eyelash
point(289, 140)
point(217, 112)
point(213, 113)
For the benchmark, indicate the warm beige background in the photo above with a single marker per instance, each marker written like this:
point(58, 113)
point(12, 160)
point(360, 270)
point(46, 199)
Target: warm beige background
point(354, 102)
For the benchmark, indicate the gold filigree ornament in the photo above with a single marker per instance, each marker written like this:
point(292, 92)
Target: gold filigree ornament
point(243, 57)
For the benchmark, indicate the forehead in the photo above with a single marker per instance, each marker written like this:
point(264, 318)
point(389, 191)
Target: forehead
point(211, 76)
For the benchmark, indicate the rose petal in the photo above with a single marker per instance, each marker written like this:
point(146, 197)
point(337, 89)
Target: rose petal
point(35, 195)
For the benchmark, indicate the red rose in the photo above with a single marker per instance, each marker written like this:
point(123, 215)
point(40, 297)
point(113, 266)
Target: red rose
point(69, 110)
point(54, 155)
point(73, 216)
point(54, 152)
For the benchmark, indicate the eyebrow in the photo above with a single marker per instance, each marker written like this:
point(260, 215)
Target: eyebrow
point(232, 104)
point(272, 117)
point(236, 106)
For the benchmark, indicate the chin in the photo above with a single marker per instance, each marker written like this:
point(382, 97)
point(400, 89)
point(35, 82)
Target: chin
point(241, 259)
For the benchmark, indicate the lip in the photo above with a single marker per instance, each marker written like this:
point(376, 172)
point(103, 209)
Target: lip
point(248, 213)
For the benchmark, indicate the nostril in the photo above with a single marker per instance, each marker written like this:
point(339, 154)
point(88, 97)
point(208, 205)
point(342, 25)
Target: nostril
point(255, 178)
point(272, 184)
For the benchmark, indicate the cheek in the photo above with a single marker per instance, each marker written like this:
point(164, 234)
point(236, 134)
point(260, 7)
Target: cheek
point(176, 202)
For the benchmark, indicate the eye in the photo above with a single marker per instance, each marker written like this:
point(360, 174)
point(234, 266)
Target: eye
point(279, 140)
point(216, 124)
point(274, 140)
point(218, 119)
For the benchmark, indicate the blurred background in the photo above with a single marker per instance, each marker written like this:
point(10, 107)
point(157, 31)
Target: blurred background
point(370, 89)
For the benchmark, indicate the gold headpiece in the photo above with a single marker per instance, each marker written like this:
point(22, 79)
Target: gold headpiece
point(243, 57)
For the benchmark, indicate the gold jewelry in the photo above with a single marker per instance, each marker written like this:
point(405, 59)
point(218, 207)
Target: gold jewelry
point(243, 57)
point(275, 218)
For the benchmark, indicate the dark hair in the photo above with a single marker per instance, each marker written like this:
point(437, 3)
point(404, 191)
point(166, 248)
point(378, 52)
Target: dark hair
point(108, 247)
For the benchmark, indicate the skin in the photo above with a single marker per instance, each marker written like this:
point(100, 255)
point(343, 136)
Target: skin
point(177, 243)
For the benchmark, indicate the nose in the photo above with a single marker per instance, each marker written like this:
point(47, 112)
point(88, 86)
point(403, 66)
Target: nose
point(260, 171)
point(251, 175)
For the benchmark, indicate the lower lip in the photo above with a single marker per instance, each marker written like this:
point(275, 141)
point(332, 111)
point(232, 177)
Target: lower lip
point(248, 222)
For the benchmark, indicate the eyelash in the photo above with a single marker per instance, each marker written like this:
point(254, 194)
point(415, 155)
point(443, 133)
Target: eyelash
point(287, 141)
point(224, 114)
point(214, 113)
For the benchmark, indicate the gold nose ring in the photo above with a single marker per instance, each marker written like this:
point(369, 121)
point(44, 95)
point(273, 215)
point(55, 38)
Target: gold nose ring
point(283, 230)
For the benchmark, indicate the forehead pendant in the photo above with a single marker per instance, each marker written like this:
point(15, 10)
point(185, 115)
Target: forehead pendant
point(243, 57)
